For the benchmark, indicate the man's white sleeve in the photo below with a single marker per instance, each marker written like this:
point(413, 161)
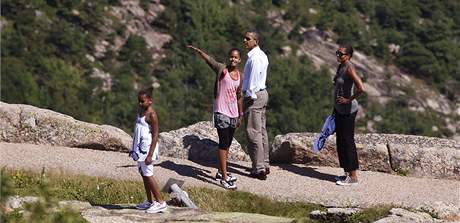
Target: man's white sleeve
point(254, 77)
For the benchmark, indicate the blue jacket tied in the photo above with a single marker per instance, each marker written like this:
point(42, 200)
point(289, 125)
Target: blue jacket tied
point(328, 129)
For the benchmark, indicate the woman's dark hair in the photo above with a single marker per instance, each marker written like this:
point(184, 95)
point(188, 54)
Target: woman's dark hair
point(234, 49)
point(348, 50)
point(147, 92)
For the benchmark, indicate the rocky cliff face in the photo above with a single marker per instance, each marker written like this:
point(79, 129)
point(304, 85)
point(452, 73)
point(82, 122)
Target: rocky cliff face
point(136, 21)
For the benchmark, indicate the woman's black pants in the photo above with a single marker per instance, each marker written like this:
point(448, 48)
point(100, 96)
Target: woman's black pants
point(345, 135)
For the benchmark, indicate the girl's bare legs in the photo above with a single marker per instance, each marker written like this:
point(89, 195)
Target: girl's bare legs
point(354, 175)
point(223, 154)
point(147, 189)
point(151, 187)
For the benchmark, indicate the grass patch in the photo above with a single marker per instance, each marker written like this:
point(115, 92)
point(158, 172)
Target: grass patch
point(401, 172)
point(238, 201)
point(45, 210)
point(101, 191)
point(370, 214)
point(95, 190)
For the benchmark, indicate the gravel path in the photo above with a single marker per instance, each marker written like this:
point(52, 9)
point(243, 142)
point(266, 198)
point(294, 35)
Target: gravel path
point(286, 182)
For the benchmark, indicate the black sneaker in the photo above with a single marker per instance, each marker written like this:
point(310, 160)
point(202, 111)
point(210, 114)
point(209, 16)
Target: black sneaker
point(260, 175)
point(228, 185)
point(230, 178)
point(267, 170)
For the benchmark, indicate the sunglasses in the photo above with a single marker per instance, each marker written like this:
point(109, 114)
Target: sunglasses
point(339, 54)
point(247, 38)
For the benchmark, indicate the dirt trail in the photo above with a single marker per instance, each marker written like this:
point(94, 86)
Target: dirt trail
point(286, 182)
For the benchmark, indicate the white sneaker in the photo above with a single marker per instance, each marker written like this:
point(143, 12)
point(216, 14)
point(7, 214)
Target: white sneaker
point(157, 207)
point(228, 185)
point(230, 178)
point(341, 178)
point(144, 205)
point(347, 182)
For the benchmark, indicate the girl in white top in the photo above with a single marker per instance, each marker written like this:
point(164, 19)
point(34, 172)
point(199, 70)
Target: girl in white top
point(145, 150)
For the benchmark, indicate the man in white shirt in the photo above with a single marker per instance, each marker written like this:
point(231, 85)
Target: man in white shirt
point(255, 103)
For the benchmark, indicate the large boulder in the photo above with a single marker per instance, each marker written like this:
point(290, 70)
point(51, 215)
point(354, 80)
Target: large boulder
point(409, 155)
point(28, 124)
point(410, 159)
point(198, 142)
point(296, 148)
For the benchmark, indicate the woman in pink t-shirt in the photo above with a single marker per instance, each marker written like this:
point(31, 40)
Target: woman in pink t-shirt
point(228, 107)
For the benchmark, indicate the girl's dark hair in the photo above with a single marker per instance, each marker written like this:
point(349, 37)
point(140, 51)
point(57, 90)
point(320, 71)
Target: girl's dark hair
point(147, 92)
point(234, 49)
point(348, 50)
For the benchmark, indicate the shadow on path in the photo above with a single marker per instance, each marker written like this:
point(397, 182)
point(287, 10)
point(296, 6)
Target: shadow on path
point(115, 206)
point(306, 172)
point(189, 171)
point(126, 166)
point(205, 153)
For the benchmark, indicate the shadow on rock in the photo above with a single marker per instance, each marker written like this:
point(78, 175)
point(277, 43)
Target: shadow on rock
point(205, 153)
point(201, 150)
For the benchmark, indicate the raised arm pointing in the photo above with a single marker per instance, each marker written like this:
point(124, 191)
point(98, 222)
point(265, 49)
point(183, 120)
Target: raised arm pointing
point(209, 60)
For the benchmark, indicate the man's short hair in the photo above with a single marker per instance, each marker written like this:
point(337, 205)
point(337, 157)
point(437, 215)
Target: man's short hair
point(256, 35)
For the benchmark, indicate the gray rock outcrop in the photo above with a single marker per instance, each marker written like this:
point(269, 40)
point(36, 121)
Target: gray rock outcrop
point(409, 155)
point(419, 160)
point(28, 124)
point(198, 142)
point(127, 213)
point(119, 213)
point(442, 210)
point(334, 214)
point(405, 216)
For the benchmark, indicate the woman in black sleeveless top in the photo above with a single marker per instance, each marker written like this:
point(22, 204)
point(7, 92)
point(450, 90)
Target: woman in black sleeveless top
point(347, 87)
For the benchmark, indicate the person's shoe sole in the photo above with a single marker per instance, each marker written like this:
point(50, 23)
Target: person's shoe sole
point(230, 188)
point(346, 184)
point(157, 211)
point(143, 208)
